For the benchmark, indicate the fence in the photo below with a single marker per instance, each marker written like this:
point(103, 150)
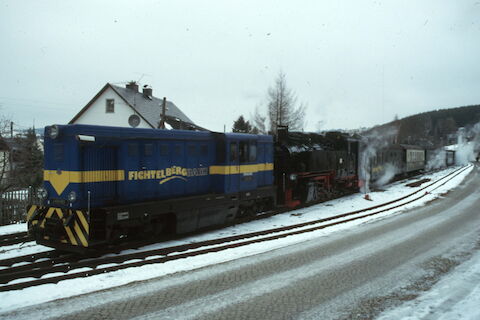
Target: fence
point(13, 205)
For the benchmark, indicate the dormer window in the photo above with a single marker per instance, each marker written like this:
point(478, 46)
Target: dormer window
point(110, 106)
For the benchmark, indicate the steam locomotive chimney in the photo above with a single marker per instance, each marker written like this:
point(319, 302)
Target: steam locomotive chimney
point(282, 133)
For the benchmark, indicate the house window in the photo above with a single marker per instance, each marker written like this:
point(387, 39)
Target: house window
point(110, 106)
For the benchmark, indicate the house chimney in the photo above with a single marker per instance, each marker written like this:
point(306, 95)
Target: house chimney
point(132, 85)
point(147, 92)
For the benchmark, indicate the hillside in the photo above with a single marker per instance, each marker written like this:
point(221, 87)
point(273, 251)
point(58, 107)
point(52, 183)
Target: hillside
point(433, 128)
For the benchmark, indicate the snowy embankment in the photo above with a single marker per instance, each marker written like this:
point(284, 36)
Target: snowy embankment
point(29, 296)
point(20, 249)
point(456, 296)
point(13, 228)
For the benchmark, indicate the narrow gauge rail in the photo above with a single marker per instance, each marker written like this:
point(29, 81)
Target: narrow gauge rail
point(141, 258)
point(51, 254)
point(14, 238)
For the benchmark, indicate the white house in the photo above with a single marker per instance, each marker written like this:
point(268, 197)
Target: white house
point(127, 107)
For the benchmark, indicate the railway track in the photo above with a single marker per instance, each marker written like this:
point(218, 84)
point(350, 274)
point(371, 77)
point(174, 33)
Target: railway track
point(14, 238)
point(45, 269)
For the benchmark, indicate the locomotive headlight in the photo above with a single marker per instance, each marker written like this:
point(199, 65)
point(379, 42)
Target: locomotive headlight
point(293, 177)
point(54, 131)
point(72, 196)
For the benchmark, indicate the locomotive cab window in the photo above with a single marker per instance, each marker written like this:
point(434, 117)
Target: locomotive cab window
point(220, 151)
point(243, 151)
point(252, 156)
point(233, 151)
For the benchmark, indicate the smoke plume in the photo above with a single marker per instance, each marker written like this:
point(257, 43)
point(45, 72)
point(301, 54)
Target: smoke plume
point(371, 143)
point(389, 172)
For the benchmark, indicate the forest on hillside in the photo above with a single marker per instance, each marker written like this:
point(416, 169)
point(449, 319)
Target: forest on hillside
point(433, 128)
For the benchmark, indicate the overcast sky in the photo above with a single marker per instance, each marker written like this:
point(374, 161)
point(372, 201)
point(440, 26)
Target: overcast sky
point(353, 63)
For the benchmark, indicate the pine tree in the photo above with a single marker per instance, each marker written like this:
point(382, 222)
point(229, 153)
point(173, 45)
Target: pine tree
point(28, 160)
point(242, 126)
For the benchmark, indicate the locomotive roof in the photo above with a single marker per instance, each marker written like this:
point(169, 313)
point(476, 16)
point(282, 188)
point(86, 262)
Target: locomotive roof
point(411, 146)
point(401, 146)
point(307, 141)
point(132, 133)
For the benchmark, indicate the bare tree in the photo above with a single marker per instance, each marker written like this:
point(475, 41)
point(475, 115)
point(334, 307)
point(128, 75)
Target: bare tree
point(258, 121)
point(282, 106)
point(320, 125)
point(6, 181)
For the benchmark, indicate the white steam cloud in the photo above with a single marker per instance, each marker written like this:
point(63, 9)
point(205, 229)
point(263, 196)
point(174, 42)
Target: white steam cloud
point(437, 160)
point(468, 145)
point(371, 144)
point(389, 172)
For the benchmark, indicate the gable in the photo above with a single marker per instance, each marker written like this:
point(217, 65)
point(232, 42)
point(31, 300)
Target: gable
point(95, 111)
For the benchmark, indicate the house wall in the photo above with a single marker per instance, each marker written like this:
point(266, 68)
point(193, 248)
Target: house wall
point(96, 113)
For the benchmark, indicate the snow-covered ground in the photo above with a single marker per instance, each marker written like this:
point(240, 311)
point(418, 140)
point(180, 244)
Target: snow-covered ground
point(13, 228)
point(456, 296)
point(15, 299)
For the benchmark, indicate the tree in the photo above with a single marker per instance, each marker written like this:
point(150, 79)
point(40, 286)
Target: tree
point(241, 126)
point(258, 122)
point(282, 106)
point(6, 177)
point(28, 160)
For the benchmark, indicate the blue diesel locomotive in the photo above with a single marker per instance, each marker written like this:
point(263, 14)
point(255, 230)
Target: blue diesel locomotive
point(102, 184)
